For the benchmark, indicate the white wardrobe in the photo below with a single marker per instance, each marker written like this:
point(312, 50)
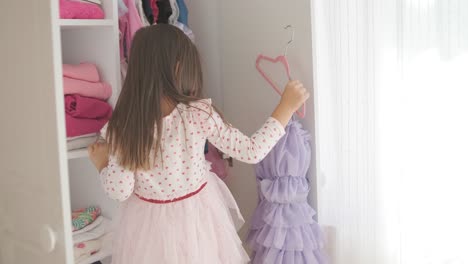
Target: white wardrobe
point(48, 181)
point(42, 182)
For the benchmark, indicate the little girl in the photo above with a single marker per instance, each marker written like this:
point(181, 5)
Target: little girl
point(174, 210)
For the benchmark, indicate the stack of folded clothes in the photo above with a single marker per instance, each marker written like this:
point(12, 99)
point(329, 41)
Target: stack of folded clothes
point(92, 236)
point(81, 9)
point(86, 109)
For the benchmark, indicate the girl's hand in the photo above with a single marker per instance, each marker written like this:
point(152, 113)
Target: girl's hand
point(99, 155)
point(294, 96)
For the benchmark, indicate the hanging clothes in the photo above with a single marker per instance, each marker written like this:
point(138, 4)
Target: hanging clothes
point(156, 11)
point(141, 13)
point(123, 69)
point(150, 8)
point(175, 12)
point(129, 24)
point(183, 12)
point(165, 11)
point(186, 30)
point(283, 230)
point(122, 8)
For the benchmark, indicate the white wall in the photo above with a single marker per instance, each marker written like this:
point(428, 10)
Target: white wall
point(230, 35)
point(204, 21)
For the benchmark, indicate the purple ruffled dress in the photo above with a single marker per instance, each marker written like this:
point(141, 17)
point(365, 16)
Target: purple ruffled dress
point(283, 230)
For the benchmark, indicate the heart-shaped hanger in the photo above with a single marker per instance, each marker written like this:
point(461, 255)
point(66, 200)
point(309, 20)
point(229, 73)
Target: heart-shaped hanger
point(281, 59)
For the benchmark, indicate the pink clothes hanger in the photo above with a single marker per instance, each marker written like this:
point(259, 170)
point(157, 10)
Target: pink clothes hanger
point(282, 59)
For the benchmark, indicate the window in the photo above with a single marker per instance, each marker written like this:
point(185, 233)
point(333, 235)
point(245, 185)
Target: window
point(391, 84)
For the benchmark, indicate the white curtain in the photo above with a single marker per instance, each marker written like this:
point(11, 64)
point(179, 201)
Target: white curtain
point(391, 97)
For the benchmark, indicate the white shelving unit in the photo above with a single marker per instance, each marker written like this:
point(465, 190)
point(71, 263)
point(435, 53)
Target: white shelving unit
point(77, 154)
point(95, 41)
point(78, 23)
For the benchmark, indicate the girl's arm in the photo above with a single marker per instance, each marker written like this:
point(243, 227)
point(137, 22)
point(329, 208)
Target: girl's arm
point(241, 147)
point(252, 149)
point(118, 183)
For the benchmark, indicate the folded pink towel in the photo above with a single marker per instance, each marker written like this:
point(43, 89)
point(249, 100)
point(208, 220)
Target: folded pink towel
point(80, 10)
point(83, 71)
point(85, 107)
point(99, 90)
point(81, 126)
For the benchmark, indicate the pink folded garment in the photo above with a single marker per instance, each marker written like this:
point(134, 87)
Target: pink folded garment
point(81, 126)
point(83, 71)
point(86, 107)
point(99, 90)
point(80, 10)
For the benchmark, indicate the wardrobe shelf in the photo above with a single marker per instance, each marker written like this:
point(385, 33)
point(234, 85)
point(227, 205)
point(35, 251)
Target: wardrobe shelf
point(79, 23)
point(78, 153)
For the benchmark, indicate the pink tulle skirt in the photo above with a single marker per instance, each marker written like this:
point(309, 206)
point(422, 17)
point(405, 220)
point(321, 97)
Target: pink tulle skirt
point(201, 229)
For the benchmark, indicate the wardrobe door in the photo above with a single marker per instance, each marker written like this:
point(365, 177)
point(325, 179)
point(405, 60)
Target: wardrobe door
point(34, 197)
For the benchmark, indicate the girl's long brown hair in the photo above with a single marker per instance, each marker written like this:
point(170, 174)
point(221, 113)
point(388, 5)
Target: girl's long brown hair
point(164, 65)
